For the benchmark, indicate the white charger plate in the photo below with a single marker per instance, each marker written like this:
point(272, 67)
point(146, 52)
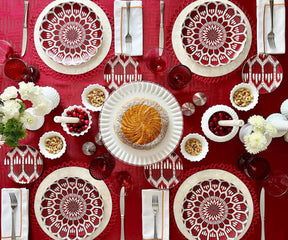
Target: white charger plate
point(126, 93)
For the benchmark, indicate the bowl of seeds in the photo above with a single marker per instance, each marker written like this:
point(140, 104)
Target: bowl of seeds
point(52, 145)
point(94, 96)
point(194, 147)
point(244, 96)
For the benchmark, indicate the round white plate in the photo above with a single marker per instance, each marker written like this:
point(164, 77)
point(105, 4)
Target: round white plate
point(236, 190)
point(84, 174)
point(95, 60)
point(140, 90)
point(195, 67)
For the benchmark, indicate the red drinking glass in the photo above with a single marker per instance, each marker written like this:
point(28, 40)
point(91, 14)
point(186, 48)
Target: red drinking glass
point(257, 168)
point(179, 77)
point(6, 52)
point(102, 166)
point(118, 180)
point(17, 70)
point(156, 63)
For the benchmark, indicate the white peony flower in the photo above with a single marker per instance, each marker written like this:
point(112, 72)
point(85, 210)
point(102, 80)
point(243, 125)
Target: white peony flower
point(9, 93)
point(10, 110)
point(27, 90)
point(42, 106)
point(27, 119)
point(257, 121)
point(255, 142)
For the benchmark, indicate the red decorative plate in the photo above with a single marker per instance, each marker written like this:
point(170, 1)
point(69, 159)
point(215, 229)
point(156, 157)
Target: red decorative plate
point(71, 208)
point(264, 71)
point(214, 33)
point(121, 69)
point(24, 164)
point(215, 205)
point(165, 174)
point(71, 33)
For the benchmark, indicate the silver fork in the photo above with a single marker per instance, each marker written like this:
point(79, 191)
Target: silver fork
point(155, 207)
point(14, 205)
point(128, 37)
point(271, 35)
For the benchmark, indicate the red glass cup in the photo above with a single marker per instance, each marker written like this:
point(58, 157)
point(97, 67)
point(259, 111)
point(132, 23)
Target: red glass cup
point(118, 180)
point(277, 183)
point(257, 168)
point(17, 70)
point(179, 77)
point(156, 63)
point(102, 166)
point(6, 52)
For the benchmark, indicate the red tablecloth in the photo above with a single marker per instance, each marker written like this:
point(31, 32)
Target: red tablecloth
point(216, 89)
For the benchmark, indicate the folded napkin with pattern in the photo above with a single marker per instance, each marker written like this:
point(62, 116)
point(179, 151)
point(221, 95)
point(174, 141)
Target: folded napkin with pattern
point(21, 213)
point(264, 26)
point(136, 27)
point(162, 215)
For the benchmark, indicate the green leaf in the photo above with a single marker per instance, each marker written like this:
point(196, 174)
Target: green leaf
point(13, 132)
point(23, 107)
point(1, 128)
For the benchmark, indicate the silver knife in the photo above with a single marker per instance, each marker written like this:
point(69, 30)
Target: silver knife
point(122, 211)
point(262, 213)
point(161, 33)
point(24, 36)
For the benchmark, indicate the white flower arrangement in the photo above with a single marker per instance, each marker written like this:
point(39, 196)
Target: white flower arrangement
point(14, 119)
point(256, 141)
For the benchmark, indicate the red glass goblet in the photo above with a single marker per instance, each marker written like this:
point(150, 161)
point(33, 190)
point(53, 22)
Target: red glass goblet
point(179, 77)
point(156, 63)
point(6, 52)
point(102, 166)
point(17, 70)
point(276, 184)
point(118, 180)
point(257, 168)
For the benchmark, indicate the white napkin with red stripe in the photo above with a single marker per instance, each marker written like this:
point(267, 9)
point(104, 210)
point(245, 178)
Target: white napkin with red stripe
point(136, 27)
point(21, 214)
point(162, 216)
point(264, 26)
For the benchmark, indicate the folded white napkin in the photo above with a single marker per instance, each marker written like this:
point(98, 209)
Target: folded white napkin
point(136, 27)
point(21, 214)
point(162, 216)
point(264, 26)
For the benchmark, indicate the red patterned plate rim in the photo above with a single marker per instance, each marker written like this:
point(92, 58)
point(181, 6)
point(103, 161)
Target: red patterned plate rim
point(59, 178)
point(204, 176)
point(27, 167)
point(205, 70)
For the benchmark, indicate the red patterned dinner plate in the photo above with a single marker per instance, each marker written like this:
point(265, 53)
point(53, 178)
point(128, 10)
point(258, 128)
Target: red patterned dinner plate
point(165, 174)
point(264, 71)
point(214, 33)
point(213, 204)
point(24, 164)
point(71, 33)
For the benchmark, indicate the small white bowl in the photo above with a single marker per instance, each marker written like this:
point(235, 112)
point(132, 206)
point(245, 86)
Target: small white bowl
point(65, 127)
point(87, 90)
point(253, 90)
point(42, 146)
point(205, 123)
point(202, 154)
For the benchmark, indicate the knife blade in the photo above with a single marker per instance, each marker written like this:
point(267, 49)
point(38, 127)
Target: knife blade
point(122, 211)
point(161, 33)
point(25, 32)
point(262, 213)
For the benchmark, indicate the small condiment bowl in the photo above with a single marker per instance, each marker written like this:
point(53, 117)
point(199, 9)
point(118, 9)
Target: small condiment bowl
point(89, 89)
point(65, 125)
point(43, 149)
point(204, 147)
point(253, 91)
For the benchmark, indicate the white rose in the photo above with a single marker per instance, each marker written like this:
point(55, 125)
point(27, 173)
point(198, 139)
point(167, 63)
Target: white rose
point(9, 92)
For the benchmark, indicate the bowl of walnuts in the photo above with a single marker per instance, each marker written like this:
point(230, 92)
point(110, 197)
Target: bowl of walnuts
point(94, 96)
point(52, 145)
point(244, 96)
point(194, 147)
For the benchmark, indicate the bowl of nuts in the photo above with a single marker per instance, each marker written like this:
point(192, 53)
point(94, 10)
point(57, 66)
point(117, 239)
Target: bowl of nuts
point(52, 145)
point(244, 96)
point(94, 96)
point(83, 124)
point(212, 120)
point(194, 147)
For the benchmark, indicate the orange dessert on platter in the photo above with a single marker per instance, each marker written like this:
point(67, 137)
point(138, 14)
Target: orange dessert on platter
point(141, 123)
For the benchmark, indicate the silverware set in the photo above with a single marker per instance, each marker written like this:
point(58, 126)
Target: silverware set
point(14, 204)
